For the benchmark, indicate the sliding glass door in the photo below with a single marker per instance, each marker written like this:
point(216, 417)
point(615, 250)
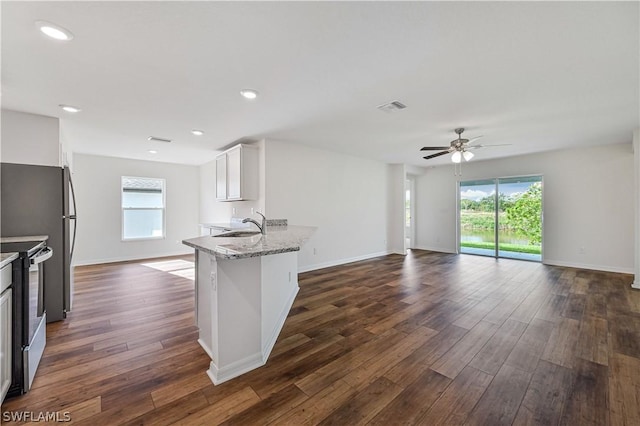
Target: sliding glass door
point(478, 217)
point(502, 217)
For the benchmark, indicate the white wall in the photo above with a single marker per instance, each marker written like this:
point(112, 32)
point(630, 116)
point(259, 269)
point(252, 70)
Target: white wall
point(636, 166)
point(346, 197)
point(97, 184)
point(212, 211)
point(395, 208)
point(30, 139)
point(588, 202)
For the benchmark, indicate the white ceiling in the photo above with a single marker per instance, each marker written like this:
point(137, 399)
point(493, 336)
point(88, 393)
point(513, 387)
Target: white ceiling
point(540, 76)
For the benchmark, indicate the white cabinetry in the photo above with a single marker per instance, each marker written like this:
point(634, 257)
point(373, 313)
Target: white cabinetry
point(221, 177)
point(5, 332)
point(237, 174)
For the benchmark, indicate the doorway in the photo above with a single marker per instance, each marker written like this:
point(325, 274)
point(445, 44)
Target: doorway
point(409, 190)
point(501, 217)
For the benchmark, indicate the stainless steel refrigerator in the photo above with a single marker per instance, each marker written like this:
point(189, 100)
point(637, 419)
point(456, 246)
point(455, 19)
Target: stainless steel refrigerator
point(39, 200)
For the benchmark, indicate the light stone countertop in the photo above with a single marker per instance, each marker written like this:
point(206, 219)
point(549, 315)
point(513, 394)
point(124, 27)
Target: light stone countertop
point(279, 239)
point(24, 239)
point(7, 258)
point(221, 226)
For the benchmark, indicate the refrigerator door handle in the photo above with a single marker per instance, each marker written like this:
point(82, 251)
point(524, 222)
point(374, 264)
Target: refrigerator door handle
point(73, 217)
point(40, 297)
point(42, 255)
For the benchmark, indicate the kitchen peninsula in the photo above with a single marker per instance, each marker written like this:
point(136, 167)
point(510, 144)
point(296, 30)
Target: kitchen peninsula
point(245, 287)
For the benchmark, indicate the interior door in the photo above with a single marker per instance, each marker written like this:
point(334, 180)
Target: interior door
point(408, 214)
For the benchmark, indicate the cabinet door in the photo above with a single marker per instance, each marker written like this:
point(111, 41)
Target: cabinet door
point(5, 343)
point(234, 174)
point(221, 177)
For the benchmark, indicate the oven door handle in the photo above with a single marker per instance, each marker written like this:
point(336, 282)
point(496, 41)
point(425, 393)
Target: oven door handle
point(42, 255)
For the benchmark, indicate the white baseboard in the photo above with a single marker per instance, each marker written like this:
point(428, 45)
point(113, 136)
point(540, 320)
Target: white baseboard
point(267, 345)
point(636, 284)
point(130, 258)
point(589, 266)
point(438, 249)
point(206, 348)
point(341, 261)
point(235, 369)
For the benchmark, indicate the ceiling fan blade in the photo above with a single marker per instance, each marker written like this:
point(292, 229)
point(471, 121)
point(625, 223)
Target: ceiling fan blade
point(436, 155)
point(434, 148)
point(472, 140)
point(485, 146)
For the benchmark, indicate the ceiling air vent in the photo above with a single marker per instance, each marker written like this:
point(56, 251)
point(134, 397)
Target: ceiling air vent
point(392, 106)
point(155, 139)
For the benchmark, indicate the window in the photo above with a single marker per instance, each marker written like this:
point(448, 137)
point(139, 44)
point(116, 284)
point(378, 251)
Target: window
point(142, 208)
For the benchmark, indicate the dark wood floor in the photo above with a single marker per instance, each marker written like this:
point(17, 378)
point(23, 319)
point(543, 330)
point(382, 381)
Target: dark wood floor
point(424, 339)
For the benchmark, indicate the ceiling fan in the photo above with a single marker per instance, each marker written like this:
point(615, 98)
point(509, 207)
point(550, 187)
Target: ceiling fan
point(459, 147)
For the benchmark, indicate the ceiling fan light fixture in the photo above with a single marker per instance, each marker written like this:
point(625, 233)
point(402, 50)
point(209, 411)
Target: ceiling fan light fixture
point(54, 31)
point(456, 157)
point(70, 108)
point(467, 155)
point(249, 93)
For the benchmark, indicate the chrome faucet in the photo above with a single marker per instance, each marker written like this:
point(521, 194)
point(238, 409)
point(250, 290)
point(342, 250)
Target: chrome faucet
point(262, 227)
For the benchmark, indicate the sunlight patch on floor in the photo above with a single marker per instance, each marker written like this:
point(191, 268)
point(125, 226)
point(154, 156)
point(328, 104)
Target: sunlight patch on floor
point(178, 267)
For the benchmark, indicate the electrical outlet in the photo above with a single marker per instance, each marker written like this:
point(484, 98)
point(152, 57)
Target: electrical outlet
point(581, 250)
point(252, 210)
point(315, 251)
point(234, 211)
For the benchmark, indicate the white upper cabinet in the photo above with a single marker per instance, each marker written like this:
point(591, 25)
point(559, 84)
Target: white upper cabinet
point(237, 174)
point(221, 177)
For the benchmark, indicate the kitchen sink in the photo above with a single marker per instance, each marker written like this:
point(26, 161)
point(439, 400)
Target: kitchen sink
point(237, 234)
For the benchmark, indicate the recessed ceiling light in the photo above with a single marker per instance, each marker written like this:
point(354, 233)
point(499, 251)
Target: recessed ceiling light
point(197, 132)
point(157, 139)
point(70, 108)
point(54, 31)
point(249, 93)
point(152, 151)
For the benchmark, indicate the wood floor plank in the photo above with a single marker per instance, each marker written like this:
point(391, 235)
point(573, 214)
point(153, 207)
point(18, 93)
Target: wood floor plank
point(387, 359)
point(408, 370)
point(545, 398)
point(593, 340)
point(365, 405)
point(269, 409)
point(527, 352)
point(456, 359)
point(588, 401)
point(322, 377)
point(223, 410)
point(413, 339)
point(500, 403)
point(561, 346)
point(172, 412)
point(625, 333)
point(457, 401)
point(624, 393)
point(492, 355)
point(414, 400)
point(319, 406)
